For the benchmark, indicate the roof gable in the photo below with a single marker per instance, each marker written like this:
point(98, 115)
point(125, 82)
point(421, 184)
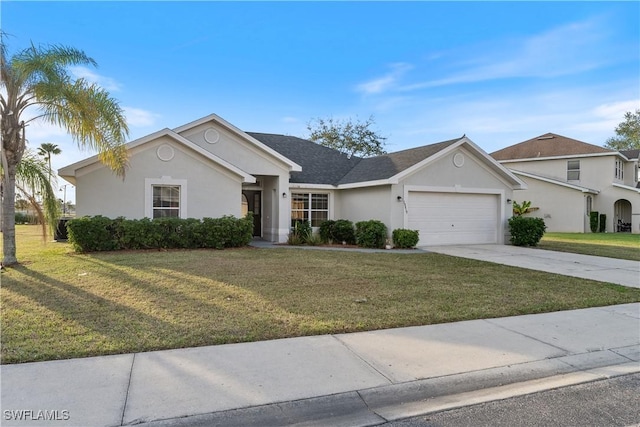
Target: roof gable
point(69, 172)
point(549, 145)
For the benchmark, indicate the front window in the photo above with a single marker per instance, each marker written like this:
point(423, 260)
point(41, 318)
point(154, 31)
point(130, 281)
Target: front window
point(619, 173)
point(166, 201)
point(310, 207)
point(573, 170)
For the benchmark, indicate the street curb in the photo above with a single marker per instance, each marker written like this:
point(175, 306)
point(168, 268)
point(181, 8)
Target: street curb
point(378, 405)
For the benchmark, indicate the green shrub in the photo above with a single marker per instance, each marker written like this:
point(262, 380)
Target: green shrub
point(341, 230)
point(89, 234)
point(593, 221)
point(344, 231)
point(526, 231)
point(403, 238)
point(371, 234)
point(603, 223)
point(99, 233)
point(301, 232)
point(326, 230)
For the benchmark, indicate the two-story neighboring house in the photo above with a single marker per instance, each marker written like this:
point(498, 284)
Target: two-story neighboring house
point(567, 179)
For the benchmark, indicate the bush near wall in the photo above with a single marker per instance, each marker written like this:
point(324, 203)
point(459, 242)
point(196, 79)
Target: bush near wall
point(371, 234)
point(338, 231)
point(403, 238)
point(526, 231)
point(603, 223)
point(99, 233)
point(593, 221)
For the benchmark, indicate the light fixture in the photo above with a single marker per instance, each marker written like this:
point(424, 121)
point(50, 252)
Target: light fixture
point(284, 195)
point(399, 198)
point(508, 201)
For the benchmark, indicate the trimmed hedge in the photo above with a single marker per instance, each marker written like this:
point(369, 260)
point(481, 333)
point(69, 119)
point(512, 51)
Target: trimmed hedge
point(526, 231)
point(371, 234)
point(403, 238)
point(339, 231)
point(593, 221)
point(603, 223)
point(99, 233)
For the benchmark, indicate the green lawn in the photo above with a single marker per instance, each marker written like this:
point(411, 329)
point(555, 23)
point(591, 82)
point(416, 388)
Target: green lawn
point(611, 245)
point(58, 304)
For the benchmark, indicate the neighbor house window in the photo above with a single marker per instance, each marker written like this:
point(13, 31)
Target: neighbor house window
point(619, 173)
point(166, 201)
point(573, 170)
point(310, 207)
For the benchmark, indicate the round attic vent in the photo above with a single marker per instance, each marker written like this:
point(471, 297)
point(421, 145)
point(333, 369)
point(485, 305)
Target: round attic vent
point(458, 160)
point(211, 136)
point(165, 152)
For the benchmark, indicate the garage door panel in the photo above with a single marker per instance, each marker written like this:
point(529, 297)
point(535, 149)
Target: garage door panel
point(454, 218)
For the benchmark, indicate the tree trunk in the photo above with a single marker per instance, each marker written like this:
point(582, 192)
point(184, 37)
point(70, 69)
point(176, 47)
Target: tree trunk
point(9, 216)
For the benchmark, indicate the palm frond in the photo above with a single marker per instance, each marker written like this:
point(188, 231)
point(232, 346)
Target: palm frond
point(32, 178)
point(91, 117)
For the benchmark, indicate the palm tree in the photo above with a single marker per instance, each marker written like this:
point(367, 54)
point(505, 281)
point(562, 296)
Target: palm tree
point(33, 177)
point(38, 76)
point(47, 149)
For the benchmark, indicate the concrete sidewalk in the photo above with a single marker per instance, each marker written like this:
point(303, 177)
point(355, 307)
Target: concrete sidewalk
point(354, 379)
point(610, 270)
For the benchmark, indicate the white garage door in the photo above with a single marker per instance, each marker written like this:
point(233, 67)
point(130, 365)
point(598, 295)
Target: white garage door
point(454, 218)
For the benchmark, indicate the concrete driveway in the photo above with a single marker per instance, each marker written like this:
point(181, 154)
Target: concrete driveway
point(610, 270)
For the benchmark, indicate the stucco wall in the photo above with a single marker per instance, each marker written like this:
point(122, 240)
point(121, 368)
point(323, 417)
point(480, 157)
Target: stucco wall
point(363, 204)
point(563, 209)
point(211, 190)
point(595, 172)
point(236, 151)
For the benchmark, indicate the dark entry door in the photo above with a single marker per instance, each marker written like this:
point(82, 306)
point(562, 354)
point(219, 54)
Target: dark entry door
point(254, 204)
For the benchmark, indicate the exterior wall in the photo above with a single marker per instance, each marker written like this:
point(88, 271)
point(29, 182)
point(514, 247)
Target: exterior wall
point(596, 173)
point(363, 204)
point(236, 150)
point(563, 209)
point(605, 204)
point(211, 190)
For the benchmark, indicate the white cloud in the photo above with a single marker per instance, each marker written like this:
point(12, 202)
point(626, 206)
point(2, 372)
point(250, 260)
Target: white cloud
point(139, 117)
point(289, 119)
point(386, 82)
point(565, 50)
point(107, 83)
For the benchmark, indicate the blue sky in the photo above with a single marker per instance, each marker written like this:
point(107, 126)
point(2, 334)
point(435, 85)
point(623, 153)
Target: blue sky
point(499, 72)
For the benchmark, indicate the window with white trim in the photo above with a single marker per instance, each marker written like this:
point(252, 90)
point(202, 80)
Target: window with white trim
point(312, 207)
point(165, 197)
point(573, 170)
point(619, 173)
point(166, 201)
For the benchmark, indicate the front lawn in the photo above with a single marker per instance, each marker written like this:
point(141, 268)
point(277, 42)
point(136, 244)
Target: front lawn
point(611, 245)
point(58, 304)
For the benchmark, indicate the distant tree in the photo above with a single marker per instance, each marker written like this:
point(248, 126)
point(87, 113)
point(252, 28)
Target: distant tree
point(46, 150)
point(38, 77)
point(627, 133)
point(352, 138)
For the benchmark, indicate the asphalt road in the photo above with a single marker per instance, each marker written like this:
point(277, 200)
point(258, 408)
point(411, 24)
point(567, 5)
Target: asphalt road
point(613, 402)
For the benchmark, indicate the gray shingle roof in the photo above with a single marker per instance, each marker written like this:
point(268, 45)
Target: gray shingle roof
point(631, 154)
point(322, 165)
point(388, 165)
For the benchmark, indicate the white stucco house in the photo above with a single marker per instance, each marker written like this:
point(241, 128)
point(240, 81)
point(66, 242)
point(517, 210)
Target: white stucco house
point(567, 179)
point(452, 192)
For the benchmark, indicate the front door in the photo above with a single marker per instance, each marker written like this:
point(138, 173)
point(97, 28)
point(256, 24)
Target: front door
point(253, 200)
